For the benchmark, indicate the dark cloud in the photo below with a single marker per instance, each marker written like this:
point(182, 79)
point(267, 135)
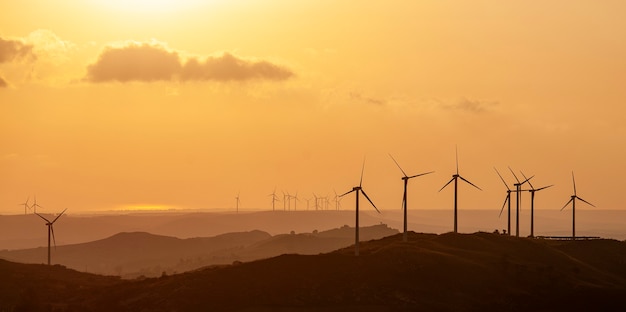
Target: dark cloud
point(3, 83)
point(473, 106)
point(11, 50)
point(149, 62)
point(228, 67)
point(134, 62)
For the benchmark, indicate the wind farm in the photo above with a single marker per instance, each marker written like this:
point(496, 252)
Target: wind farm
point(159, 149)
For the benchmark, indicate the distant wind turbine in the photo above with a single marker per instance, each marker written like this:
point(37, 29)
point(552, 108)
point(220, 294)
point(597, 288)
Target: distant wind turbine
point(51, 230)
point(237, 201)
point(406, 178)
point(274, 199)
point(359, 189)
point(573, 201)
point(35, 205)
point(518, 191)
point(506, 200)
point(455, 178)
point(25, 204)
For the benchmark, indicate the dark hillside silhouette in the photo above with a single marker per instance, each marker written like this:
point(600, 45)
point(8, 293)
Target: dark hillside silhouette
point(448, 272)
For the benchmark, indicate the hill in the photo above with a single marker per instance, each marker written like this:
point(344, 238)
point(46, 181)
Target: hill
point(448, 272)
point(143, 254)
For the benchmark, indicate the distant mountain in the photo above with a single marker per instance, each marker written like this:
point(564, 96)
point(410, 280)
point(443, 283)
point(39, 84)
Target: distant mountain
point(449, 272)
point(135, 254)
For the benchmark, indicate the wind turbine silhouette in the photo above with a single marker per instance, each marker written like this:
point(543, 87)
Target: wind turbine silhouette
point(51, 230)
point(25, 204)
point(35, 205)
point(295, 201)
point(507, 199)
point(237, 201)
point(518, 190)
point(532, 203)
point(573, 201)
point(274, 199)
point(455, 178)
point(406, 178)
point(359, 189)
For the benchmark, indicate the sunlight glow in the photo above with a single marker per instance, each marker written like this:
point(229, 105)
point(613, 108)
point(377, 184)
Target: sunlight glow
point(150, 6)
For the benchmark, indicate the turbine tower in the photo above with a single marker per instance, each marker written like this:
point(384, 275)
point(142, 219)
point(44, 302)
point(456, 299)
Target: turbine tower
point(532, 204)
point(506, 200)
point(455, 178)
point(359, 189)
point(237, 201)
point(25, 204)
point(35, 205)
point(51, 230)
point(406, 178)
point(518, 190)
point(573, 201)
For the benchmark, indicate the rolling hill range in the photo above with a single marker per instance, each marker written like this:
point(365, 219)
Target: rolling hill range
point(448, 272)
point(142, 254)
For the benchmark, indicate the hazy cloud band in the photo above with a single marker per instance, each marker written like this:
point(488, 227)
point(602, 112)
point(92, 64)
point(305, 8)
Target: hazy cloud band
point(151, 62)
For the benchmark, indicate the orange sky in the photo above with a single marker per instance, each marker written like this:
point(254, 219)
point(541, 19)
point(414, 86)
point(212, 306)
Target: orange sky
point(183, 104)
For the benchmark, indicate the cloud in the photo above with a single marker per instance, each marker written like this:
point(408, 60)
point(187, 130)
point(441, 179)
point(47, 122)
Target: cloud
point(228, 68)
point(154, 62)
point(13, 50)
point(3, 83)
point(369, 100)
point(472, 106)
point(134, 62)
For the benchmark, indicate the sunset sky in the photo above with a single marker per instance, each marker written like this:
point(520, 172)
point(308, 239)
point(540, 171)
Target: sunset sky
point(173, 104)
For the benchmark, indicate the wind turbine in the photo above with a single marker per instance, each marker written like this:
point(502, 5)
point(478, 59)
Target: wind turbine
point(573, 201)
point(274, 199)
point(359, 189)
point(237, 201)
point(455, 178)
point(51, 230)
point(532, 204)
point(518, 190)
point(295, 201)
point(35, 205)
point(406, 178)
point(317, 200)
point(25, 204)
point(507, 199)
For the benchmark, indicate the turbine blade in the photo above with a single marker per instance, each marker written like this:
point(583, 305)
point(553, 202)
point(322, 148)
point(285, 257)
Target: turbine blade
point(344, 194)
point(394, 160)
point(588, 203)
point(419, 175)
point(456, 152)
point(403, 199)
point(545, 187)
point(472, 184)
point(570, 200)
point(516, 179)
point(446, 184)
point(53, 239)
point(55, 219)
point(501, 178)
point(368, 199)
point(574, 181)
point(43, 217)
point(504, 204)
point(362, 170)
point(527, 180)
